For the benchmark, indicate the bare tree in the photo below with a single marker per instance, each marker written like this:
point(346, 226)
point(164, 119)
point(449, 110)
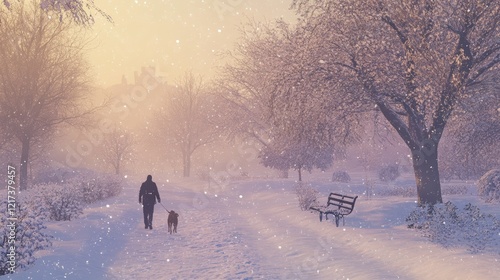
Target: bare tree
point(43, 78)
point(118, 147)
point(79, 11)
point(245, 87)
point(184, 123)
point(413, 60)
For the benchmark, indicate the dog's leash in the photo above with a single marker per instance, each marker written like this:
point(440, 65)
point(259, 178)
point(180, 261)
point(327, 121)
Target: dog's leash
point(164, 207)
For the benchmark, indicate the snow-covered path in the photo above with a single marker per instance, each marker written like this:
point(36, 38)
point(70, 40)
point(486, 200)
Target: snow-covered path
point(248, 230)
point(109, 242)
point(207, 245)
point(297, 245)
point(374, 244)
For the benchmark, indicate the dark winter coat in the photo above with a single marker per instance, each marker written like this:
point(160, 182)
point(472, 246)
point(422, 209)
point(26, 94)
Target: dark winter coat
point(149, 193)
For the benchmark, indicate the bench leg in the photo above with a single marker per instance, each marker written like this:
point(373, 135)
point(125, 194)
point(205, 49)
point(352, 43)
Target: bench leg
point(320, 216)
point(337, 218)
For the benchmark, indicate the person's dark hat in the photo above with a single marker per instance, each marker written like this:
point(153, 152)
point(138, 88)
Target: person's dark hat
point(150, 178)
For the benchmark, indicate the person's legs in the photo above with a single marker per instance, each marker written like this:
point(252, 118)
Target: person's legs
point(151, 216)
point(146, 218)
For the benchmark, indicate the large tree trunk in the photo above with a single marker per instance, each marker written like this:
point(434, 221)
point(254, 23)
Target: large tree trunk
point(425, 166)
point(23, 174)
point(424, 153)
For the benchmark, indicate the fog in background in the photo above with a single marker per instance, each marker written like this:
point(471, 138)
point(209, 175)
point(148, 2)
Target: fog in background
point(162, 39)
point(172, 35)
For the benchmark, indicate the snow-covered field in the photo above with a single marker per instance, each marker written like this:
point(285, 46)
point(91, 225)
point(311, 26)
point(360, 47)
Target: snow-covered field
point(254, 229)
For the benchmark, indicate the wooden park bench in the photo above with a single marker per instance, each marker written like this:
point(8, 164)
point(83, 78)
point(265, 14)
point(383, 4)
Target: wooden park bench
point(338, 205)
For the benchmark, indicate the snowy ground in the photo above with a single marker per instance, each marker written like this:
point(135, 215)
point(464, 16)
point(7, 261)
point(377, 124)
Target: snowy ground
point(253, 229)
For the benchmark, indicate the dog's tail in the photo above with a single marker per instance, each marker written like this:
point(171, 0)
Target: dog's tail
point(164, 208)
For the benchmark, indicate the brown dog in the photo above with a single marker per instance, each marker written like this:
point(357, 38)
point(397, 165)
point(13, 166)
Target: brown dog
point(172, 221)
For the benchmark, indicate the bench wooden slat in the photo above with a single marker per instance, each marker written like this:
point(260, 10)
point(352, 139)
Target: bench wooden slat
point(339, 201)
point(344, 204)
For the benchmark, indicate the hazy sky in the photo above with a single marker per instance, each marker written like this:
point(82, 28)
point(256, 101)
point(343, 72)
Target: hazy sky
point(174, 35)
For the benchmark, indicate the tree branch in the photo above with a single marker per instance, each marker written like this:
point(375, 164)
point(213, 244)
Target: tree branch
point(401, 128)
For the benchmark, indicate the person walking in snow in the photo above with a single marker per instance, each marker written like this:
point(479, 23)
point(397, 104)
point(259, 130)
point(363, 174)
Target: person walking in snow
point(147, 196)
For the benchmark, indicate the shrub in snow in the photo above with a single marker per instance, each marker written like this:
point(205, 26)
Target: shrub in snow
point(35, 200)
point(307, 195)
point(29, 237)
point(56, 202)
point(489, 186)
point(341, 176)
point(97, 188)
point(451, 227)
point(94, 186)
point(64, 200)
point(389, 173)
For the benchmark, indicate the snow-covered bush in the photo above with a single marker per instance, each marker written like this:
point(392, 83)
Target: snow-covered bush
point(35, 200)
point(451, 227)
point(306, 194)
point(97, 188)
point(341, 176)
point(29, 237)
point(489, 186)
point(389, 173)
point(62, 202)
point(94, 186)
point(56, 202)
